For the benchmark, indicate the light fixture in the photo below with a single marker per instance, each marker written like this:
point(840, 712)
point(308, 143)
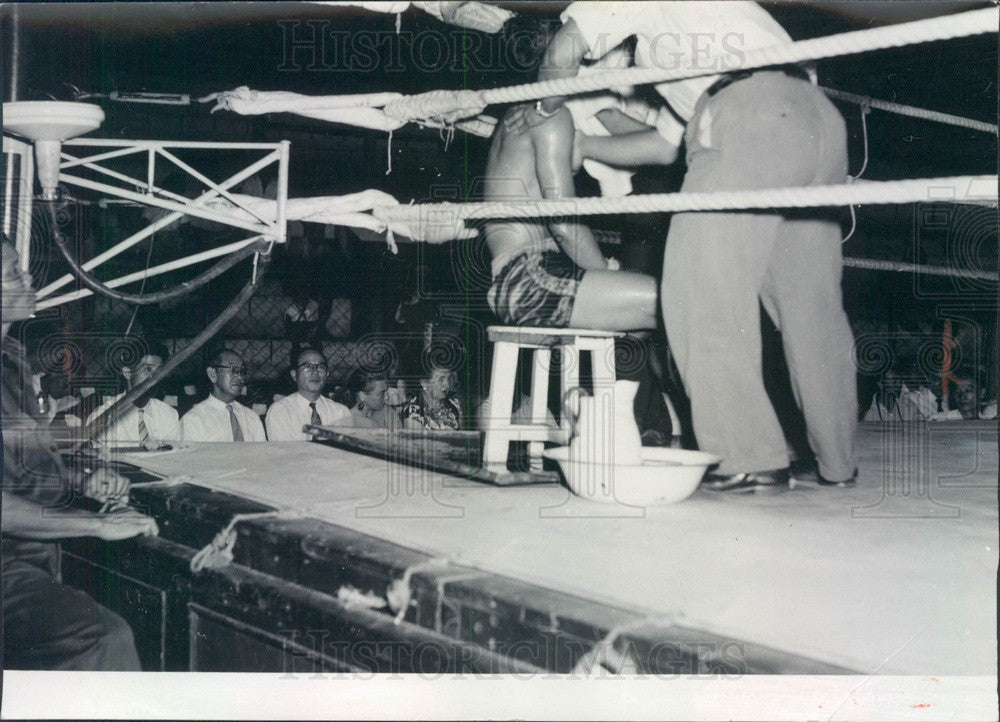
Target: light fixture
point(48, 123)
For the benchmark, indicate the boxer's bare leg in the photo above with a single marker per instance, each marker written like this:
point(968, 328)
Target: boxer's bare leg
point(615, 301)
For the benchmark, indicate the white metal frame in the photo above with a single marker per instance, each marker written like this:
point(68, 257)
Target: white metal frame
point(263, 226)
point(25, 188)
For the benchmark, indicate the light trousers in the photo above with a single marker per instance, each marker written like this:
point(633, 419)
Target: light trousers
point(766, 131)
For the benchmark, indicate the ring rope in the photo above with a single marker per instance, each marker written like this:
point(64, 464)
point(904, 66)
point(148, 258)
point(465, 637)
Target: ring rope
point(910, 110)
point(614, 238)
point(871, 192)
point(450, 105)
point(876, 265)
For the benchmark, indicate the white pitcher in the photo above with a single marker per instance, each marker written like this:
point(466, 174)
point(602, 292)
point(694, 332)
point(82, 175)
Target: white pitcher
point(603, 426)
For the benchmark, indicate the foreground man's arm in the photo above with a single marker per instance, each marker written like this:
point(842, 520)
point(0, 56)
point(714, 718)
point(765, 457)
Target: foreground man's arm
point(28, 520)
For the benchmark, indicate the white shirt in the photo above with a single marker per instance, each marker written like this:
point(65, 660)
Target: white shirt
point(917, 405)
point(705, 35)
point(209, 421)
point(287, 416)
point(160, 419)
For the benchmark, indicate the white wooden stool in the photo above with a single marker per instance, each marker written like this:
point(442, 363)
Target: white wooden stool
point(499, 427)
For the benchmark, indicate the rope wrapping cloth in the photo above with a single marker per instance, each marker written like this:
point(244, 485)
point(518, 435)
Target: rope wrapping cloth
point(978, 190)
point(218, 553)
point(603, 654)
point(912, 111)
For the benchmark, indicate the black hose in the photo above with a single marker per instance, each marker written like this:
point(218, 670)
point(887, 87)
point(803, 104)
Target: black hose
point(149, 298)
point(120, 407)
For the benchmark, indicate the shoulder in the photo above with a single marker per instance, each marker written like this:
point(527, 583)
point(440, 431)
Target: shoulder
point(243, 409)
point(557, 128)
point(163, 407)
point(285, 402)
point(199, 409)
point(334, 406)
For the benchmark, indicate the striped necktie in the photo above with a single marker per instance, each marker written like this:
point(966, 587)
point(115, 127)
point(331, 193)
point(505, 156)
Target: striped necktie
point(143, 431)
point(314, 419)
point(235, 424)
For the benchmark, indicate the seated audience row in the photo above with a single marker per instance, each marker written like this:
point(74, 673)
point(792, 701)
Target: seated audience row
point(220, 417)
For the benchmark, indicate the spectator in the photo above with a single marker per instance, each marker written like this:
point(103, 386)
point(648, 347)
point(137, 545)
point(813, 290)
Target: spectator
point(372, 410)
point(965, 403)
point(59, 399)
point(307, 405)
point(895, 401)
point(150, 422)
point(434, 407)
point(220, 417)
point(47, 625)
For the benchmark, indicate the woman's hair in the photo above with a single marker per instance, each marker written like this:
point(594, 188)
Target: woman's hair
point(361, 379)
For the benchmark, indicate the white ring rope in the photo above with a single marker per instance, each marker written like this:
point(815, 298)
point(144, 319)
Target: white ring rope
point(912, 111)
point(979, 190)
point(387, 111)
point(451, 105)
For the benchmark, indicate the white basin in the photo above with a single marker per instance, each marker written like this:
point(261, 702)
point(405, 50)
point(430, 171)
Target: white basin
point(665, 476)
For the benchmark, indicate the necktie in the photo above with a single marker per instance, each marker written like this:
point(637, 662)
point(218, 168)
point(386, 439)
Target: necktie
point(143, 431)
point(314, 419)
point(235, 424)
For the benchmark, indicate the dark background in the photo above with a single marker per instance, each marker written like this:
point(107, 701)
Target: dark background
point(59, 50)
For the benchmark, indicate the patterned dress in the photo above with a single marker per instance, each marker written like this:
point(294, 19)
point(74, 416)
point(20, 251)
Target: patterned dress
point(447, 415)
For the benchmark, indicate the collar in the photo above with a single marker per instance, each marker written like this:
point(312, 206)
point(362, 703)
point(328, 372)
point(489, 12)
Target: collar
point(218, 403)
point(303, 401)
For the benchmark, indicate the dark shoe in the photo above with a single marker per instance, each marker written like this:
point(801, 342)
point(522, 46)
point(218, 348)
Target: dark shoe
point(810, 473)
point(849, 482)
point(764, 482)
point(655, 437)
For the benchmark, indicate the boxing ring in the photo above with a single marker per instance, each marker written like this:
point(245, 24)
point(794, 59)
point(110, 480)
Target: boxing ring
point(277, 557)
point(857, 581)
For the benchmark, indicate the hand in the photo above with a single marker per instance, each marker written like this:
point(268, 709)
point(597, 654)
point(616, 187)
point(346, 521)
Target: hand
point(125, 524)
point(106, 486)
point(522, 118)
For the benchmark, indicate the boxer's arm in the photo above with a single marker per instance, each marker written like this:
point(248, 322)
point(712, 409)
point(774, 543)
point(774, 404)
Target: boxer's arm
point(553, 146)
point(619, 123)
point(645, 147)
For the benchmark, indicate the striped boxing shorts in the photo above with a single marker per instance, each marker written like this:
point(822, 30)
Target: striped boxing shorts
point(536, 288)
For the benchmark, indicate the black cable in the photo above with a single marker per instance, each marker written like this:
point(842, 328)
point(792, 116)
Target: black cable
point(149, 298)
point(120, 407)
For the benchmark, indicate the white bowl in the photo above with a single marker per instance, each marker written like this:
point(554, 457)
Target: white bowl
point(664, 477)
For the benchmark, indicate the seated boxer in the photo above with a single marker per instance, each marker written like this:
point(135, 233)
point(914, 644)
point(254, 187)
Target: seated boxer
point(550, 272)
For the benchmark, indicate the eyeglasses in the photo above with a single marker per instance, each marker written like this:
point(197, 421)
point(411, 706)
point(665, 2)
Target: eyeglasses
point(234, 370)
point(314, 367)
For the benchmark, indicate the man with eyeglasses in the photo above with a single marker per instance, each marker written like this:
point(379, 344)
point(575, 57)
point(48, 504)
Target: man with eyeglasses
point(221, 417)
point(150, 422)
point(307, 405)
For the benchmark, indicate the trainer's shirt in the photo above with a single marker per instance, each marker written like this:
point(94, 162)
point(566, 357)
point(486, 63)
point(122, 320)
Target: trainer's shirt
point(679, 35)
